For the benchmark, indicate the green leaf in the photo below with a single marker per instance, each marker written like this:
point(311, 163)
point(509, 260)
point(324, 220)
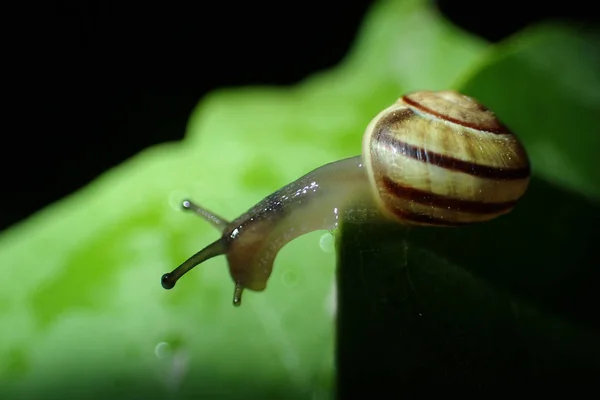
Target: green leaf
point(545, 84)
point(512, 300)
point(81, 307)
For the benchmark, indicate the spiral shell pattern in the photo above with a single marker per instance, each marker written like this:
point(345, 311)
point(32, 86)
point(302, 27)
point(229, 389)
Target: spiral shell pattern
point(443, 159)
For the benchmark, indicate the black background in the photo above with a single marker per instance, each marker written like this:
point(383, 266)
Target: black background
point(97, 81)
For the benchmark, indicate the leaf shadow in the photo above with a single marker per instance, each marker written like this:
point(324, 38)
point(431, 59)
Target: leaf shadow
point(511, 300)
point(543, 250)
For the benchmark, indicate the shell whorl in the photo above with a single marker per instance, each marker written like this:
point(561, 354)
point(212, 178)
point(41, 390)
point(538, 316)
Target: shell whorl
point(443, 159)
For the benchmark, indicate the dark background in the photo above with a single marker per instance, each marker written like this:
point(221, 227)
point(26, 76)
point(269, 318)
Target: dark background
point(98, 81)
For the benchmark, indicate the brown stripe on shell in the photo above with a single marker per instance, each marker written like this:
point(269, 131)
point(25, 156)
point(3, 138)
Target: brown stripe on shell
point(466, 110)
point(423, 219)
point(384, 133)
point(436, 200)
point(455, 164)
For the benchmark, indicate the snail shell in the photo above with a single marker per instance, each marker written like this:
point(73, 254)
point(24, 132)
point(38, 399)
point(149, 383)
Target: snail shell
point(442, 158)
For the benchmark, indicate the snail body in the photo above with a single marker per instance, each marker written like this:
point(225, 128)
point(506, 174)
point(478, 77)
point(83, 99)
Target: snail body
point(429, 159)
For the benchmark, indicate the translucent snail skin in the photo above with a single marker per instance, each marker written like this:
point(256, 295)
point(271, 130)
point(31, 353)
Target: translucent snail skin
point(430, 159)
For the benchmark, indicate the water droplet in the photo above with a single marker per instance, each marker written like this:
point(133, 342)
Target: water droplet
point(162, 350)
point(176, 197)
point(289, 278)
point(326, 242)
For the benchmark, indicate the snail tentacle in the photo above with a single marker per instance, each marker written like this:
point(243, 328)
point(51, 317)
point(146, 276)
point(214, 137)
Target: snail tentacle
point(214, 249)
point(214, 219)
point(237, 294)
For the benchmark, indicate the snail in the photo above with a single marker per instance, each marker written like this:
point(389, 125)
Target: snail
point(438, 159)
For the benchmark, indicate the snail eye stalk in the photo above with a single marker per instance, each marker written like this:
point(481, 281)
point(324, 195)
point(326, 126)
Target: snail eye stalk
point(214, 249)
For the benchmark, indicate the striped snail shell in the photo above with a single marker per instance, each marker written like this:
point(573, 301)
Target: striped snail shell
point(441, 158)
point(431, 158)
